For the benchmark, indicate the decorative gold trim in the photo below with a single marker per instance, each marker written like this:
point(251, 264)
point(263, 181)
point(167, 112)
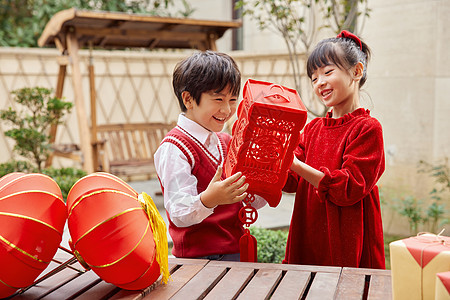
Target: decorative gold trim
point(34, 174)
point(81, 260)
point(31, 219)
point(123, 183)
point(31, 191)
point(103, 174)
point(22, 251)
point(152, 260)
point(118, 260)
point(94, 193)
point(107, 220)
point(12, 287)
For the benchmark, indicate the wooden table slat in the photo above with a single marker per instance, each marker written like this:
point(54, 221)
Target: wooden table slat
point(380, 287)
point(231, 284)
point(262, 284)
point(323, 286)
point(178, 279)
point(139, 294)
point(76, 286)
point(201, 284)
point(292, 286)
point(49, 285)
point(98, 291)
point(351, 286)
point(366, 271)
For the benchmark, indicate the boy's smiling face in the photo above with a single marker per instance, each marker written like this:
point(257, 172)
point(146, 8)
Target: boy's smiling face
point(214, 110)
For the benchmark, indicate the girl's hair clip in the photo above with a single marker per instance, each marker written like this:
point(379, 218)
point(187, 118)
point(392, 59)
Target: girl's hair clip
point(349, 35)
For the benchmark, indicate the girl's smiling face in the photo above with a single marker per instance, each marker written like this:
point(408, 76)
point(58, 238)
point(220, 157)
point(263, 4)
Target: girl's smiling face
point(214, 109)
point(336, 87)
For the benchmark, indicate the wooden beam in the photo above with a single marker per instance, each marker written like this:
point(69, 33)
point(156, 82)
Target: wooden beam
point(83, 128)
point(141, 34)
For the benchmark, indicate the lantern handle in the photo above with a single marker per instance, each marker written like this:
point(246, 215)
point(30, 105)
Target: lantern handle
point(276, 95)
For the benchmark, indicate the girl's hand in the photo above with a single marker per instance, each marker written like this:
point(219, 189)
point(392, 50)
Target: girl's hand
point(228, 191)
point(313, 176)
point(295, 164)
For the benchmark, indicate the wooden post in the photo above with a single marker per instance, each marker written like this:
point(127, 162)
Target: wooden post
point(95, 148)
point(58, 94)
point(212, 41)
point(85, 139)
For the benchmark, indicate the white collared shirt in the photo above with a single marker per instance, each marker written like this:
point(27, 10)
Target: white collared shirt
point(181, 199)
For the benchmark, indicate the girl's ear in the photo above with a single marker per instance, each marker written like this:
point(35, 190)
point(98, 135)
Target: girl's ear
point(358, 71)
point(187, 99)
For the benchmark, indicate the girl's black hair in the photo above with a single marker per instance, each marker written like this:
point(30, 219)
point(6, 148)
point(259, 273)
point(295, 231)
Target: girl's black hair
point(342, 52)
point(204, 72)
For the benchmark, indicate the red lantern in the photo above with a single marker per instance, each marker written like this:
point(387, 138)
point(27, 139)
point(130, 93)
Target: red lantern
point(32, 218)
point(112, 232)
point(270, 118)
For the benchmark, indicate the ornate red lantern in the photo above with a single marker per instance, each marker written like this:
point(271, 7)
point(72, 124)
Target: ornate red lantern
point(116, 232)
point(32, 218)
point(270, 118)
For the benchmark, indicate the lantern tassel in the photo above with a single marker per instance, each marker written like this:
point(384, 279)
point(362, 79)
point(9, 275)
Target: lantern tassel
point(159, 234)
point(248, 247)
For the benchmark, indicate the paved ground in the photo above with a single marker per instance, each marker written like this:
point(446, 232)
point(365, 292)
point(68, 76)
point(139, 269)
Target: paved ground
point(273, 218)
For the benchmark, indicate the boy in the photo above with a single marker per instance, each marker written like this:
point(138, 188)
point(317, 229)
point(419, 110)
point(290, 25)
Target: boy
point(202, 206)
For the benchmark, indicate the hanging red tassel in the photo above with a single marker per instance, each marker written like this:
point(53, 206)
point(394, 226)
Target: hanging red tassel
point(248, 247)
point(247, 244)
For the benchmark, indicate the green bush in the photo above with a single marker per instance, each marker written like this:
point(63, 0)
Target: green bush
point(64, 177)
point(16, 166)
point(271, 244)
point(35, 111)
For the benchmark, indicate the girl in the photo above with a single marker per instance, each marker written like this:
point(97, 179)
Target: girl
point(336, 219)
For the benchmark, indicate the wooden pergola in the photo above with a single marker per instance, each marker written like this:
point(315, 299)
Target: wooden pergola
point(72, 29)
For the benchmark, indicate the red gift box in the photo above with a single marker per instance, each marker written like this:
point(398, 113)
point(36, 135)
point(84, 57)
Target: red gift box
point(442, 286)
point(270, 118)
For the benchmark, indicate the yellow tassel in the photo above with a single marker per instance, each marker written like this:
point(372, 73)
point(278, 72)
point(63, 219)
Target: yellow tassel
point(159, 234)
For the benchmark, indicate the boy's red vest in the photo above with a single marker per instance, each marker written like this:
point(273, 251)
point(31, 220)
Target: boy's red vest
point(220, 232)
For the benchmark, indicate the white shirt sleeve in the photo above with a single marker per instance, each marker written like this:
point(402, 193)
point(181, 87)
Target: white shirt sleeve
point(181, 199)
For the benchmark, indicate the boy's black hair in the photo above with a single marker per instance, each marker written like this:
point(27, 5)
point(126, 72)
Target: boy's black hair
point(342, 52)
point(203, 72)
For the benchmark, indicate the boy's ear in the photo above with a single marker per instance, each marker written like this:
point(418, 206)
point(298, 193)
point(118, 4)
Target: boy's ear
point(358, 71)
point(187, 99)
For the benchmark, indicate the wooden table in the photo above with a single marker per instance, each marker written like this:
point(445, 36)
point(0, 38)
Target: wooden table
point(204, 279)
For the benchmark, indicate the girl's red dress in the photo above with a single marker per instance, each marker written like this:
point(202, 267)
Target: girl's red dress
point(339, 223)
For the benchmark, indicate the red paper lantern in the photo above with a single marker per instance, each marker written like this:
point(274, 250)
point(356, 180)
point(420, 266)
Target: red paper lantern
point(32, 218)
point(270, 118)
point(111, 232)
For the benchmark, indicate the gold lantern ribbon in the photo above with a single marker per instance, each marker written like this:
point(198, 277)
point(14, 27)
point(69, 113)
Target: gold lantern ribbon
point(159, 234)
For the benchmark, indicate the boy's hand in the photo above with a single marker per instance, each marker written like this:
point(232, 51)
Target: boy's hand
point(228, 191)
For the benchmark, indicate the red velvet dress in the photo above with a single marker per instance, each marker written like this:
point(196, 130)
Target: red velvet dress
point(339, 223)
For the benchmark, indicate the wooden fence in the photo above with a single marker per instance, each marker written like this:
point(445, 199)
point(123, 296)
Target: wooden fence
point(131, 86)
